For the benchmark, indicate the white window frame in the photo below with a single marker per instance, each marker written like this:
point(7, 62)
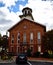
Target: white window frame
point(31, 37)
point(24, 37)
point(12, 39)
point(39, 37)
point(18, 36)
point(39, 48)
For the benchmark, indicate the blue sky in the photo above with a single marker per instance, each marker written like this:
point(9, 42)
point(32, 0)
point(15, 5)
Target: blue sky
point(11, 9)
point(15, 7)
point(2, 4)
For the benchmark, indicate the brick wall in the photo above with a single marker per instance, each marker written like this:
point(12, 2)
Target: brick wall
point(25, 26)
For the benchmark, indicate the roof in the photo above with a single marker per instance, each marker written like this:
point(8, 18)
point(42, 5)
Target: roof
point(27, 8)
point(28, 20)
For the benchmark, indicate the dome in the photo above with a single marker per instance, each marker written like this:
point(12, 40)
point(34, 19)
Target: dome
point(27, 8)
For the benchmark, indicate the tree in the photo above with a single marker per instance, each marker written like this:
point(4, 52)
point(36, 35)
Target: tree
point(47, 41)
point(29, 52)
point(0, 35)
point(5, 42)
point(0, 40)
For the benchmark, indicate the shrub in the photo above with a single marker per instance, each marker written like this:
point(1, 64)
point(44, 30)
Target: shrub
point(46, 55)
point(50, 55)
point(36, 54)
point(28, 52)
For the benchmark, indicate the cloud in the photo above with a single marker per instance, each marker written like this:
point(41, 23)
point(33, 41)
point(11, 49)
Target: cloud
point(9, 16)
point(4, 22)
point(1, 13)
point(3, 29)
point(42, 13)
point(9, 2)
point(3, 19)
point(7, 19)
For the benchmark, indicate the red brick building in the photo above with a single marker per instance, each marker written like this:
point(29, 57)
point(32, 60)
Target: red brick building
point(26, 34)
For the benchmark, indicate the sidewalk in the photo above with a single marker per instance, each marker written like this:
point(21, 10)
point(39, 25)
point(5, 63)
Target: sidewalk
point(6, 61)
point(40, 59)
point(30, 59)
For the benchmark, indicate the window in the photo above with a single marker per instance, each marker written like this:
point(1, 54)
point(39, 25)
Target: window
point(39, 48)
point(29, 12)
point(24, 38)
point(31, 37)
point(18, 37)
point(25, 12)
point(12, 39)
point(39, 37)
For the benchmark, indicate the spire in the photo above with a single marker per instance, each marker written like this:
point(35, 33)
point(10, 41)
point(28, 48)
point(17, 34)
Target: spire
point(27, 13)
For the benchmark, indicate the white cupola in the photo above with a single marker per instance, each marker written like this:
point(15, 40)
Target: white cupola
point(27, 13)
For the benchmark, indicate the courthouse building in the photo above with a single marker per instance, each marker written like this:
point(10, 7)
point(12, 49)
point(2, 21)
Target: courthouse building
point(27, 33)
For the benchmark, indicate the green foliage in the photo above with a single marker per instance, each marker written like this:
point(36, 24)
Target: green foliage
point(29, 52)
point(0, 35)
point(50, 55)
point(37, 54)
point(5, 57)
point(46, 55)
point(0, 41)
point(5, 42)
point(47, 40)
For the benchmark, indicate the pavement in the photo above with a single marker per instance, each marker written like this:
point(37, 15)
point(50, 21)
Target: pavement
point(41, 59)
point(29, 59)
point(6, 61)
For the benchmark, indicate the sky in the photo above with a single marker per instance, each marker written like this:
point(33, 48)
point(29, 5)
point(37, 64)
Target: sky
point(11, 9)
